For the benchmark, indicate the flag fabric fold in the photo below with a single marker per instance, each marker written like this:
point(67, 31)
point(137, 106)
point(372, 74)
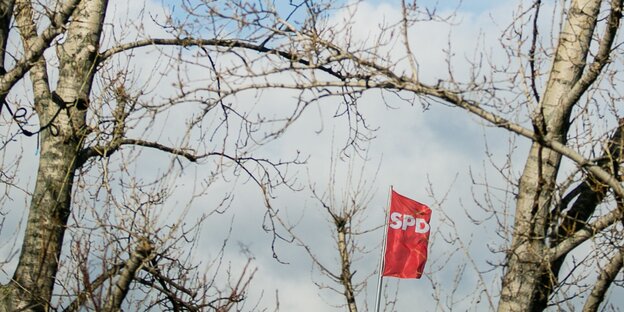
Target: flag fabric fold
point(407, 237)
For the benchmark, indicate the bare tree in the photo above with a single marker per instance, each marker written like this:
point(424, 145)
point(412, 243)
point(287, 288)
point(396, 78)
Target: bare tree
point(96, 118)
point(96, 232)
point(556, 88)
point(345, 203)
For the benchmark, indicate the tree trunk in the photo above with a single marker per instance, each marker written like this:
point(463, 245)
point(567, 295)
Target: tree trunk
point(345, 262)
point(62, 118)
point(523, 288)
point(33, 280)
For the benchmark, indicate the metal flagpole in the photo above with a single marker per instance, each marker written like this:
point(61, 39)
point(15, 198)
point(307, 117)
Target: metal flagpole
point(383, 254)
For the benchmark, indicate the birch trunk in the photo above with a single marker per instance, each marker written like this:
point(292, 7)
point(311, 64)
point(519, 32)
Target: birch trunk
point(523, 288)
point(32, 285)
point(346, 274)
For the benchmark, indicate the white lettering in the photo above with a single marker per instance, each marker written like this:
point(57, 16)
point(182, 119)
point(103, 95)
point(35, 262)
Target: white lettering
point(421, 226)
point(396, 220)
point(401, 221)
point(408, 221)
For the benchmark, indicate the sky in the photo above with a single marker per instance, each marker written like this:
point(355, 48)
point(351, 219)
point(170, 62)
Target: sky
point(438, 155)
point(426, 154)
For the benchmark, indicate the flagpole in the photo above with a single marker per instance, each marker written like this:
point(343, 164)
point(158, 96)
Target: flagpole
point(383, 254)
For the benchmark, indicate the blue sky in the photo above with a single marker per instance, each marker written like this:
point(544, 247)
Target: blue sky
point(473, 6)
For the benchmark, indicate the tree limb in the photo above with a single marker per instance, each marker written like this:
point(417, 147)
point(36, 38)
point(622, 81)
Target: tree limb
point(118, 291)
point(585, 233)
point(592, 191)
point(605, 279)
point(97, 283)
point(37, 46)
point(226, 43)
point(602, 56)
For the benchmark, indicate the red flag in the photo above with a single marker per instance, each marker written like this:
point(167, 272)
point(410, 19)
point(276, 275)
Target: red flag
point(407, 239)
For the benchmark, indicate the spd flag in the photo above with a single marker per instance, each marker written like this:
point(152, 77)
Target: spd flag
point(407, 238)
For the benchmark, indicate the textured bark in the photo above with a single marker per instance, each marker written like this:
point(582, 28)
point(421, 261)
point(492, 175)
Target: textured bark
point(587, 196)
point(122, 286)
point(6, 11)
point(33, 281)
point(523, 288)
point(345, 261)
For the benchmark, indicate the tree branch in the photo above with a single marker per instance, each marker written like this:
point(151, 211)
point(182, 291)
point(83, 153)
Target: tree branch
point(585, 233)
point(119, 290)
point(226, 43)
point(605, 279)
point(592, 191)
point(38, 46)
point(97, 283)
point(602, 56)
point(406, 43)
point(534, 38)
point(400, 83)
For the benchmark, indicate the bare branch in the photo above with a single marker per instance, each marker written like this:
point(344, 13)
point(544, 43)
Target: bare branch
point(37, 46)
point(406, 43)
point(588, 231)
point(119, 289)
point(602, 57)
point(535, 35)
point(605, 279)
point(225, 43)
point(82, 297)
